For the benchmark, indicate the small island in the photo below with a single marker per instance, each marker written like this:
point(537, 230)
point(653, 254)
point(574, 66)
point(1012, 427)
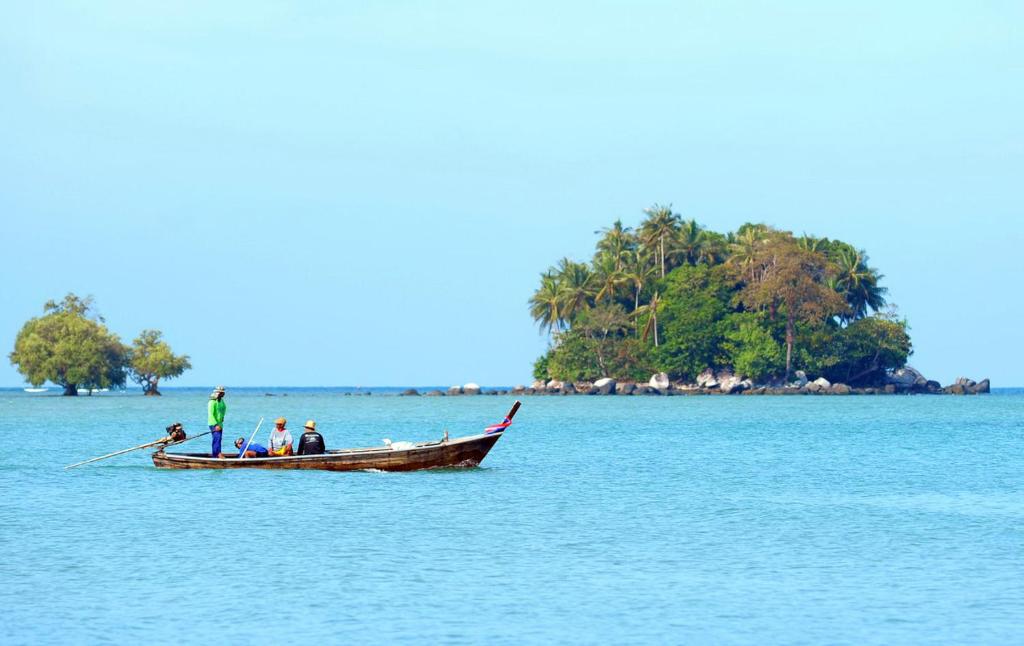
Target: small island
point(672, 308)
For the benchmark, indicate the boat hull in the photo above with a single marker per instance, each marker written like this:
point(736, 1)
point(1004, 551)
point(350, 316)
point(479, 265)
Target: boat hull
point(460, 452)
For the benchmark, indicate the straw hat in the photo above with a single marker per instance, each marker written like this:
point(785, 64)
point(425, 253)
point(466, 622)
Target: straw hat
point(280, 420)
point(311, 425)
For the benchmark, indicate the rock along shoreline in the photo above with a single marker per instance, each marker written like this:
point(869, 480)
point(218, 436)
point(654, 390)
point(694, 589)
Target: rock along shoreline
point(905, 381)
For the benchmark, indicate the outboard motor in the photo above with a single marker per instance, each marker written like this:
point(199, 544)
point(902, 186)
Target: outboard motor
point(176, 432)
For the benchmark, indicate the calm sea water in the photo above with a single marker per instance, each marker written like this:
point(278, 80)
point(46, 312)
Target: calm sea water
point(594, 520)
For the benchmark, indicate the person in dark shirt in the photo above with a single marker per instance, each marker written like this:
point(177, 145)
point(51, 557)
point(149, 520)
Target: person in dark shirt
point(254, 450)
point(311, 442)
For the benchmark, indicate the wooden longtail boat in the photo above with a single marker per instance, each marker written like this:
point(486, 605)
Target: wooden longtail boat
point(458, 452)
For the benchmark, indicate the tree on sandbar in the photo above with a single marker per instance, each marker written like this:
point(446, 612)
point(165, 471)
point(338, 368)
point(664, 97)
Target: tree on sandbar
point(70, 346)
point(151, 359)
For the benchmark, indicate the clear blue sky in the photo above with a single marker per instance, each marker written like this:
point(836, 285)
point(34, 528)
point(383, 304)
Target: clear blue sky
point(321, 193)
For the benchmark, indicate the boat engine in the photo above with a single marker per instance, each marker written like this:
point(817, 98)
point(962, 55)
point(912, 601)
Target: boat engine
point(176, 432)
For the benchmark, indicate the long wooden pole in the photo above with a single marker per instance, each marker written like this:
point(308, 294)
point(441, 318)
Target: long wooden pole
point(245, 447)
point(163, 440)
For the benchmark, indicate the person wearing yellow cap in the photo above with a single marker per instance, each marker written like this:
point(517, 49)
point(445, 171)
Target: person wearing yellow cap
point(215, 418)
point(311, 442)
point(280, 438)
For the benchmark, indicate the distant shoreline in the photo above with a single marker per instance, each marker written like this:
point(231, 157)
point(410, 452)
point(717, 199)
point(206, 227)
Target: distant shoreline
point(389, 391)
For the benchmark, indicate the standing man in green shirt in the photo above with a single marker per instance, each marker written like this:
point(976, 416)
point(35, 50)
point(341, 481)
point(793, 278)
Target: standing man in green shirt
point(215, 418)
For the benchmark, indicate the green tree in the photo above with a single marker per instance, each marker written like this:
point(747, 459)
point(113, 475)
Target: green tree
point(688, 243)
point(602, 326)
point(616, 241)
point(71, 347)
point(650, 328)
point(573, 358)
point(639, 272)
point(856, 281)
point(750, 348)
point(151, 359)
point(658, 230)
point(714, 248)
point(696, 300)
point(745, 246)
point(861, 352)
point(576, 288)
point(794, 280)
point(546, 303)
point(608, 277)
point(586, 353)
point(540, 367)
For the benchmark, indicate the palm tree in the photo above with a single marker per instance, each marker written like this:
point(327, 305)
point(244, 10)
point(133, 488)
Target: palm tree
point(651, 309)
point(858, 283)
point(576, 288)
point(609, 276)
point(714, 248)
point(546, 303)
point(658, 230)
point(689, 241)
point(744, 248)
point(639, 272)
point(616, 241)
point(810, 243)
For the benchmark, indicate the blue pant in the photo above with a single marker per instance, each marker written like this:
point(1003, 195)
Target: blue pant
point(215, 450)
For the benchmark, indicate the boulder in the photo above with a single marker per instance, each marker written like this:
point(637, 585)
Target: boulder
point(455, 390)
point(730, 384)
point(659, 381)
point(906, 377)
point(813, 387)
point(434, 393)
point(568, 388)
point(519, 390)
point(605, 386)
point(933, 387)
point(625, 389)
point(801, 378)
point(746, 385)
point(471, 389)
point(890, 389)
point(823, 384)
point(707, 377)
point(983, 387)
point(554, 386)
point(410, 392)
point(537, 385)
point(840, 389)
point(955, 389)
point(965, 382)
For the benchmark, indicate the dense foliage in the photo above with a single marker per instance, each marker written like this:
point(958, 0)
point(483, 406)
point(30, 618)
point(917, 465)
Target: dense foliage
point(673, 296)
point(151, 360)
point(71, 346)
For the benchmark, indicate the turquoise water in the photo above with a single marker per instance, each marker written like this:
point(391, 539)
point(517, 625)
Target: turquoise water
point(614, 520)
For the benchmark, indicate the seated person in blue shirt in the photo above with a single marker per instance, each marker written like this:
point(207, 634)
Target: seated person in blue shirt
point(254, 450)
